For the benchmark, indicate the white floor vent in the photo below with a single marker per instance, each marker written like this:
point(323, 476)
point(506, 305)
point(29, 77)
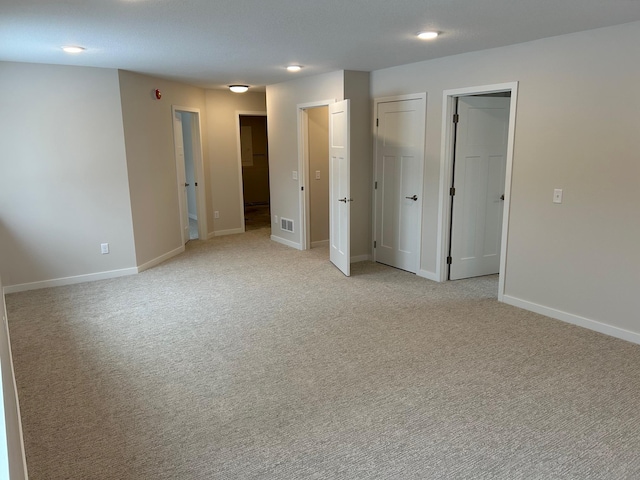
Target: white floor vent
point(286, 224)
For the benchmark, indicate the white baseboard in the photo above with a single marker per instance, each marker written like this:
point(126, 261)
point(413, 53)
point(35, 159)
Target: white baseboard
point(58, 282)
point(428, 275)
point(320, 243)
point(360, 258)
point(160, 259)
point(286, 242)
point(219, 233)
point(574, 319)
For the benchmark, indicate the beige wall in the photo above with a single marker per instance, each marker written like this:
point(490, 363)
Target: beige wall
point(318, 141)
point(148, 133)
point(63, 174)
point(576, 129)
point(224, 165)
point(282, 102)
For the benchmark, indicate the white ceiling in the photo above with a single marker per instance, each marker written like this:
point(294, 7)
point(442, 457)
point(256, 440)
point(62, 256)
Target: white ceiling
point(213, 43)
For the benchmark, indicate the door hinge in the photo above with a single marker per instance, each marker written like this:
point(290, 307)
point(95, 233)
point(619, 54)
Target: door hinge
point(377, 122)
point(452, 191)
point(456, 118)
point(374, 244)
point(449, 259)
point(376, 186)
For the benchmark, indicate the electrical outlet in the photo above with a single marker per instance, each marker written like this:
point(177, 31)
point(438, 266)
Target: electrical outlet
point(216, 214)
point(294, 175)
point(104, 248)
point(557, 195)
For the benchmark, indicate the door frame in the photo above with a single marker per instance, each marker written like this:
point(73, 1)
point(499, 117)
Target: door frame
point(198, 162)
point(446, 174)
point(243, 113)
point(303, 169)
point(398, 98)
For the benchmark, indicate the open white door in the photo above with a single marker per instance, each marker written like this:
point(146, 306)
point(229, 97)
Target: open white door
point(479, 184)
point(339, 187)
point(181, 175)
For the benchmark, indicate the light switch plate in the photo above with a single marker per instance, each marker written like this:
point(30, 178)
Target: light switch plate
point(557, 195)
point(294, 175)
point(317, 174)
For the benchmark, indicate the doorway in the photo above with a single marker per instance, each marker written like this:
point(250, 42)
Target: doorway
point(254, 163)
point(190, 176)
point(338, 144)
point(318, 175)
point(475, 181)
point(314, 172)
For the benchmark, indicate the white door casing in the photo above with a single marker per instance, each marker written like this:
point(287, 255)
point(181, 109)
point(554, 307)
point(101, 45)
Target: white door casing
point(399, 154)
point(181, 176)
point(479, 182)
point(339, 186)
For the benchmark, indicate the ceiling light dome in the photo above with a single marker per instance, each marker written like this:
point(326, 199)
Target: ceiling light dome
point(73, 49)
point(294, 68)
point(238, 88)
point(429, 35)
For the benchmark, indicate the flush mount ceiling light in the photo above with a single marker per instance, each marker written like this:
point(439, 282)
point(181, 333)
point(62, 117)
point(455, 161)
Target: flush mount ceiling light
point(238, 88)
point(430, 35)
point(294, 68)
point(73, 49)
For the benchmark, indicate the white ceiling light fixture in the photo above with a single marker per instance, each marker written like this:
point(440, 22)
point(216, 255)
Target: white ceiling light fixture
point(73, 49)
point(238, 88)
point(294, 68)
point(429, 35)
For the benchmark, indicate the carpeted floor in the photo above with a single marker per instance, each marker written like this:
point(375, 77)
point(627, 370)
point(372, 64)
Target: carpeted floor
point(245, 359)
point(193, 229)
point(256, 217)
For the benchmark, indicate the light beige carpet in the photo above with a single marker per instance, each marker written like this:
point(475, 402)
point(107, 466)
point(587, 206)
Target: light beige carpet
point(245, 359)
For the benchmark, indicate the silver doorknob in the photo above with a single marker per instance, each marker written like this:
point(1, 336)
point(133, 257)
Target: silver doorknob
point(414, 198)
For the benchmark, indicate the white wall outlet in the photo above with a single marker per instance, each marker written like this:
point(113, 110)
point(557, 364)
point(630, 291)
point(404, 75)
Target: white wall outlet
point(216, 214)
point(317, 174)
point(104, 248)
point(557, 195)
point(294, 175)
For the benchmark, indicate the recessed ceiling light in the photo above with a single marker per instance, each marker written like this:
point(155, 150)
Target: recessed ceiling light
point(294, 68)
point(427, 35)
point(238, 88)
point(73, 49)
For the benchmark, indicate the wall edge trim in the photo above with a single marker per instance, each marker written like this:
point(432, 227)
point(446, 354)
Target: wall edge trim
point(286, 242)
point(160, 259)
point(58, 282)
point(573, 319)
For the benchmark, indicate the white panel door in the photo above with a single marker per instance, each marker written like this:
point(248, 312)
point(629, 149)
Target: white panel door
point(398, 177)
point(181, 175)
point(339, 188)
point(479, 179)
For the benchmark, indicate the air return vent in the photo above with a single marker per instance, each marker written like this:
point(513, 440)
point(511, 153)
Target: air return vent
point(286, 224)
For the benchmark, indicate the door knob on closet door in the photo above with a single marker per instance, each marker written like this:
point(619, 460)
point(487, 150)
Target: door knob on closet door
point(186, 184)
point(414, 198)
